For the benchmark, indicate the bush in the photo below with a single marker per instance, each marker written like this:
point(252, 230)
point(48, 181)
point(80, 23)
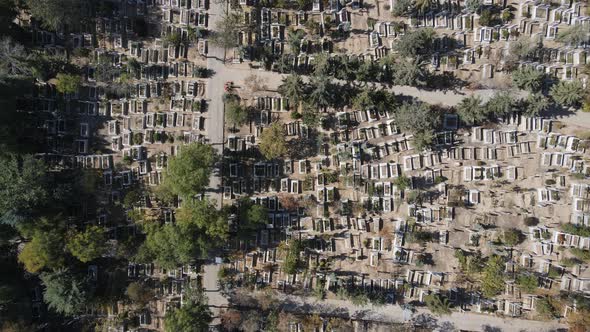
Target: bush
point(581, 254)
point(528, 283)
point(570, 261)
point(576, 229)
point(421, 237)
point(402, 182)
point(546, 309)
point(437, 304)
point(549, 182)
point(493, 277)
point(512, 236)
point(531, 221)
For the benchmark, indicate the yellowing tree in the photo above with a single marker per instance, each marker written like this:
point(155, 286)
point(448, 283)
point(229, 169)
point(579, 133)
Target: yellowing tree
point(67, 83)
point(87, 245)
point(44, 250)
point(272, 141)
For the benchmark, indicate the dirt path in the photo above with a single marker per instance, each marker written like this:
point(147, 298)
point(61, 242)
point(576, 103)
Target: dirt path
point(395, 314)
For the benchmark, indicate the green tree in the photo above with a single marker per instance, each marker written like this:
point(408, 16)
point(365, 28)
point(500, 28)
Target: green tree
point(87, 245)
point(321, 91)
point(188, 173)
point(418, 119)
point(235, 113)
point(202, 216)
point(535, 104)
point(568, 94)
point(411, 72)
point(402, 182)
point(65, 292)
point(252, 216)
point(46, 248)
point(67, 83)
point(272, 141)
point(486, 18)
point(501, 103)
point(363, 100)
point(293, 88)
point(193, 316)
point(417, 43)
point(174, 38)
point(525, 47)
point(23, 187)
point(56, 13)
point(292, 260)
point(423, 5)
point(438, 304)
point(528, 79)
point(322, 65)
point(366, 71)
point(493, 277)
point(172, 245)
point(471, 111)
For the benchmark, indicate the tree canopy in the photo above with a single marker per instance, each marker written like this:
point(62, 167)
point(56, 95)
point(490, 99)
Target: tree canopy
point(492, 279)
point(67, 83)
point(169, 246)
point(252, 216)
point(54, 14)
point(416, 43)
point(528, 79)
point(293, 88)
point(193, 315)
point(88, 244)
point(568, 94)
point(438, 304)
point(272, 141)
point(202, 216)
point(45, 250)
point(65, 292)
point(420, 120)
point(472, 111)
point(23, 187)
point(188, 173)
point(235, 114)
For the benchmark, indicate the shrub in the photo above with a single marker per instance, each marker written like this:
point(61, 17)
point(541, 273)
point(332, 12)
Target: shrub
point(493, 277)
point(581, 254)
point(528, 283)
point(570, 261)
point(531, 221)
point(402, 182)
point(576, 229)
point(512, 236)
point(546, 308)
point(437, 304)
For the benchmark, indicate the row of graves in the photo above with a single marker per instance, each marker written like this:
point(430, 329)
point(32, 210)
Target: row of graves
point(330, 232)
point(273, 25)
point(129, 139)
point(463, 40)
point(166, 284)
